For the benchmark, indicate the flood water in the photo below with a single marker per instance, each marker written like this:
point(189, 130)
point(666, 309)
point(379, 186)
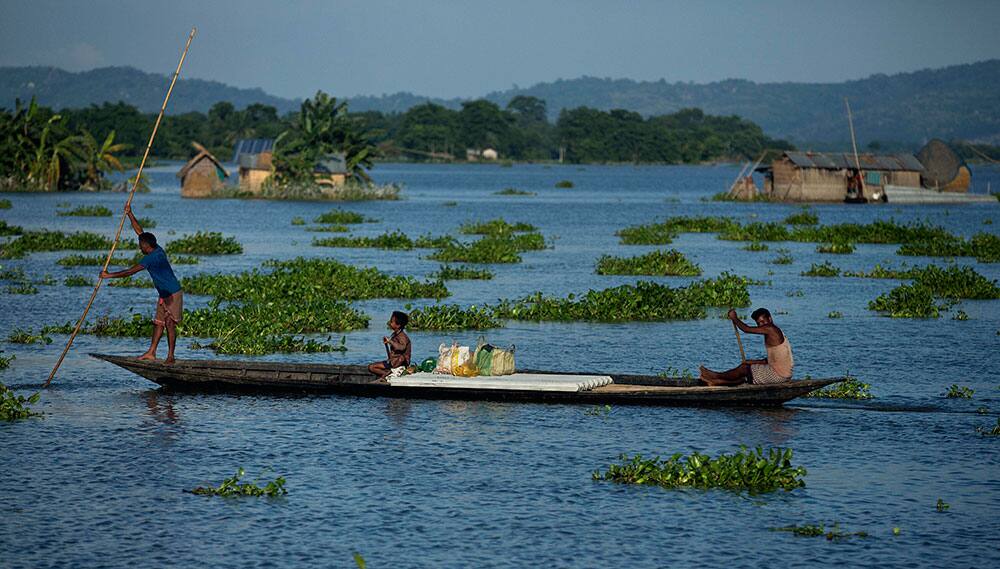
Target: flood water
point(99, 481)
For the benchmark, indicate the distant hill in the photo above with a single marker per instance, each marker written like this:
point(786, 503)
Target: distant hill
point(906, 109)
point(60, 89)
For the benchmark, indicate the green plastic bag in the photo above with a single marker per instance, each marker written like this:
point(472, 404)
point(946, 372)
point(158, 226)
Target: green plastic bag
point(428, 365)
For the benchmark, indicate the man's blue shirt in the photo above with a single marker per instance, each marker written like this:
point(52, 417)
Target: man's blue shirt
point(164, 280)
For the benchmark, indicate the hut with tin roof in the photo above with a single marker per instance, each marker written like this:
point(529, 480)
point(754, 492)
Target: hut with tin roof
point(823, 177)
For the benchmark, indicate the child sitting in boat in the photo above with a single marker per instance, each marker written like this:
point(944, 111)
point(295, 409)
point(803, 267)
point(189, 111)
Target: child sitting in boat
point(776, 368)
point(170, 306)
point(397, 347)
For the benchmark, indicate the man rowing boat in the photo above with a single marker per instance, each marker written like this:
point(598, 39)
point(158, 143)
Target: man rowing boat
point(170, 306)
point(776, 368)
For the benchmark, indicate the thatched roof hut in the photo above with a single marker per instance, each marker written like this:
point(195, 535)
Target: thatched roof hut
point(203, 174)
point(943, 169)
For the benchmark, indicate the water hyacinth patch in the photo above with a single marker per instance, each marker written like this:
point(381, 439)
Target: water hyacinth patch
point(496, 227)
point(753, 471)
point(987, 432)
point(19, 336)
point(959, 392)
point(5, 360)
point(756, 246)
point(341, 217)
point(906, 301)
point(205, 243)
point(5, 204)
point(16, 407)
point(917, 300)
point(804, 217)
point(514, 192)
point(298, 221)
point(395, 240)
point(450, 273)
point(564, 184)
point(97, 260)
point(834, 533)
point(43, 241)
point(77, 280)
point(335, 228)
point(850, 388)
point(453, 317)
point(232, 487)
point(88, 211)
point(985, 247)
point(664, 233)
point(835, 314)
point(490, 249)
point(822, 270)
point(8, 230)
point(660, 263)
point(22, 288)
point(784, 258)
point(836, 248)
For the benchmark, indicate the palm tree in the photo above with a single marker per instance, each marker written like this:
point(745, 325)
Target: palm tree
point(99, 159)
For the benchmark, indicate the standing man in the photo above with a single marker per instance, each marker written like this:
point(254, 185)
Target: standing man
point(170, 307)
point(776, 368)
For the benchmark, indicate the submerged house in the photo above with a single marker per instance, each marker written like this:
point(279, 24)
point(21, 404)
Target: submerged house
point(203, 175)
point(824, 177)
point(254, 157)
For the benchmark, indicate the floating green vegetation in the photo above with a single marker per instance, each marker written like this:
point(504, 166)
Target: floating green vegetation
point(449, 204)
point(5, 204)
point(599, 411)
point(496, 228)
point(335, 228)
point(675, 373)
point(822, 270)
point(16, 407)
point(756, 246)
point(514, 192)
point(659, 263)
point(850, 388)
point(987, 432)
point(834, 533)
point(490, 249)
point(40, 241)
point(730, 197)
point(450, 273)
point(205, 243)
point(794, 293)
point(564, 184)
point(880, 272)
point(664, 233)
point(285, 343)
point(804, 217)
point(906, 301)
point(8, 230)
point(147, 223)
point(359, 560)
point(77, 280)
point(942, 506)
point(835, 314)
point(985, 247)
point(643, 301)
point(21, 288)
point(19, 336)
point(88, 211)
point(453, 317)
point(395, 240)
point(960, 315)
point(258, 312)
point(342, 217)
point(16, 274)
point(232, 487)
point(836, 248)
point(784, 258)
point(97, 260)
point(753, 471)
point(5, 360)
point(959, 392)
point(298, 221)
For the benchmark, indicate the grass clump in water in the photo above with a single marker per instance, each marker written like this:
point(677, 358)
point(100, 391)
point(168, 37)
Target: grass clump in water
point(21, 288)
point(88, 211)
point(19, 336)
point(496, 228)
point(987, 432)
point(335, 228)
point(298, 221)
point(985, 247)
point(232, 487)
point(564, 184)
point(205, 243)
point(850, 388)
point(804, 217)
point(959, 392)
point(659, 263)
point(917, 300)
point(395, 240)
point(755, 246)
point(5, 204)
point(77, 280)
point(665, 232)
point(43, 241)
point(342, 217)
point(753, 471)
point(836, 248)
point(5, 360)
point(489, 249)
point(16, 407)
point(906, 301)
point(784, 258)
point(450, 273)
point(453, 317)
point(834, 533)
point(8, 230)
point(835, 314)
point(514, 192)
point(822, 270)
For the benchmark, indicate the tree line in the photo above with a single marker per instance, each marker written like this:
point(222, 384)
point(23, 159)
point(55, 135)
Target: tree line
point(519, 131)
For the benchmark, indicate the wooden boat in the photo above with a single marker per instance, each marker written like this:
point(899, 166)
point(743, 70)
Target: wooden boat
point(280, 377)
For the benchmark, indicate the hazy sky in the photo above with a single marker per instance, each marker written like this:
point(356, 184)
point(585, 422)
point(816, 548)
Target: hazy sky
point(468, 48)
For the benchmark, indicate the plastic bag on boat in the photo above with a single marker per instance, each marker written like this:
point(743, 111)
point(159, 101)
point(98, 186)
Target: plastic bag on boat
point(492, 360)
point(444, 358)
point(461, 356)
point(467, 369)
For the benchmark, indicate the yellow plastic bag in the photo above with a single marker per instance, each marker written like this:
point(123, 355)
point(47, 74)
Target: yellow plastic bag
point(465, 370)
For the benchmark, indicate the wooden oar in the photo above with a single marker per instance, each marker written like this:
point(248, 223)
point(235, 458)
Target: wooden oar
point(739, 340)
point(121, 224)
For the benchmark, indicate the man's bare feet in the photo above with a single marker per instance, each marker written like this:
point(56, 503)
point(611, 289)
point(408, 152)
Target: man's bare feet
point(169, 360)
point(147, 356)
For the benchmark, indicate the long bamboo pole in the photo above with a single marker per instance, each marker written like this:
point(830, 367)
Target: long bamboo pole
point(854, 143)
point(739, 340)
point(121, 223)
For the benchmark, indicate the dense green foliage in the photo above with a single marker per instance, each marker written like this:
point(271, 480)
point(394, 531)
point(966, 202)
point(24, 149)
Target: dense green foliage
point(453, 317)
point(804, 217)
point(41, 240)
point(77, 280)
point(836, 248)
point(231, 487)
point(19, 336)
point(5, 204)
point(205, 243)
point(822, 270)
point(985, 247)
point(959, 392)
point(661, 263)
point(502, 248)
point(88, 211)
point(15, 407)
point(341, 217)
point(450, 273)
point(753, 471)
point(496, 227)
point(916, 300)
point(394, 240)
point(834, 533)
point(850, 388)
point(906, 301)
